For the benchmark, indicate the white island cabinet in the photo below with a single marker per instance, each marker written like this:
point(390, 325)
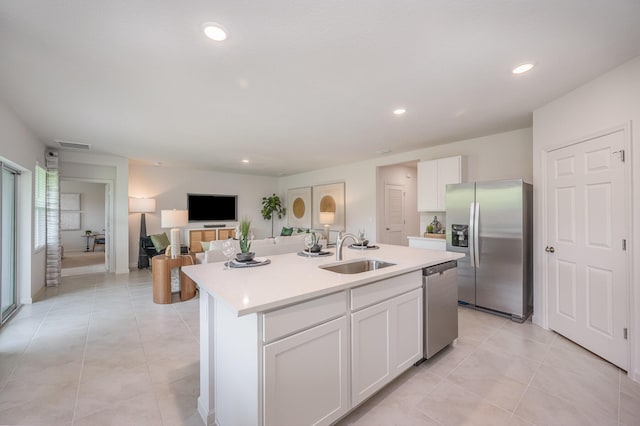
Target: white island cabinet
point(293, 344)
point(387, 336)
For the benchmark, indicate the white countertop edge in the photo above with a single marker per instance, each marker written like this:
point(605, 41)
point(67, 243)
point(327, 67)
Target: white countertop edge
point(326, 282)
point(444, 240)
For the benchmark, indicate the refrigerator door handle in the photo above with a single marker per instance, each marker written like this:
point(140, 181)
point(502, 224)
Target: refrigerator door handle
point(476, 238)
point(472, 232)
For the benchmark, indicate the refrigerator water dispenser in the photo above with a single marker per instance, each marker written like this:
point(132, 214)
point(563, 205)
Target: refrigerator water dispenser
point(460, 235)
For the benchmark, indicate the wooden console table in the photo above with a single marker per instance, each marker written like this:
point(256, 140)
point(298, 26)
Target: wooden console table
point(208, 234)
point(161, 267)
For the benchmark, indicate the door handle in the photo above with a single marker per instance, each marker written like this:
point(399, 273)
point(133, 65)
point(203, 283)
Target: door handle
point(550, 249)
point(388, 229)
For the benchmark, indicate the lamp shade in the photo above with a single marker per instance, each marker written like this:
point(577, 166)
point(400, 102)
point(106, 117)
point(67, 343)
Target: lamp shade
point(142, 205)
point(327, 218)
point(173, 218)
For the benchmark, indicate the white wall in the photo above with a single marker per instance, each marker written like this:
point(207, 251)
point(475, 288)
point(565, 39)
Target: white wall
point(500, 156)
point(407, 177)
point(21, 149)
point(92, 217)
point(606, 102)
point(113, 170)
point(169, 186)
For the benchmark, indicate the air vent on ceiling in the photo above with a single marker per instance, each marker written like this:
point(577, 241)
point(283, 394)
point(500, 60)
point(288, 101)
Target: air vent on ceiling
point(74, 145)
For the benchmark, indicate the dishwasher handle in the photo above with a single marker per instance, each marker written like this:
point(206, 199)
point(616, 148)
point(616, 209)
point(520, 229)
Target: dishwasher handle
point(438, 269)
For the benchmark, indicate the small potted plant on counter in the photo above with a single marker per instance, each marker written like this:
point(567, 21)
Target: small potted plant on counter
point(244, 239)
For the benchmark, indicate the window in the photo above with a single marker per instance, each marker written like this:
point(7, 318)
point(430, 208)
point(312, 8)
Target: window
point(40, 207)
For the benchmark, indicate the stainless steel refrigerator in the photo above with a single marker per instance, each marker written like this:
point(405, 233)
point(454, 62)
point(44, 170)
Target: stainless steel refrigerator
point(491, 222)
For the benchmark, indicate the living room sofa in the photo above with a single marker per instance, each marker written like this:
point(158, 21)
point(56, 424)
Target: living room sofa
point(262, 248)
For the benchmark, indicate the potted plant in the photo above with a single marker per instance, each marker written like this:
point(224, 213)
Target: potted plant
point(315, 248)
point(244, 240)
point(272, 206)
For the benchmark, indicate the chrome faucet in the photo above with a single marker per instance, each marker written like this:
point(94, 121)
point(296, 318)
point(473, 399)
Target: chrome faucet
point(340, 241)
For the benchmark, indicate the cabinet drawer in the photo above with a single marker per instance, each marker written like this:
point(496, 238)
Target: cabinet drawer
point(370, 294)
point(297, 317)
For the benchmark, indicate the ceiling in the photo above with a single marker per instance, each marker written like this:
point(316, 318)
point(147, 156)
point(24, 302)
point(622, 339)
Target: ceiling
point(299, 84)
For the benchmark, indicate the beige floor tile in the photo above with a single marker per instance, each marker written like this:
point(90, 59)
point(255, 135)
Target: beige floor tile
point(445, 361)
point(530, 331)
point(513, 344)
point(130, 361)
point(542, 408)
point(450, 404)
point(51, 370)
point(477, 325)
point(498, 378)
point(629, 401)
point(129, 355)
point(588, 381)
point(34, 403)
point(139, 410)
point(387, 416)
point(102, 386)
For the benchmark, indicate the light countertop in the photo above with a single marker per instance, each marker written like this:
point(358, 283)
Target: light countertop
point(426, 238)
point(290, 278)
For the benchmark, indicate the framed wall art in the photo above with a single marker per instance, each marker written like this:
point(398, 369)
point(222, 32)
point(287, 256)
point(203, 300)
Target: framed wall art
point(69, 201)
point(328, 206)
point(299, 207)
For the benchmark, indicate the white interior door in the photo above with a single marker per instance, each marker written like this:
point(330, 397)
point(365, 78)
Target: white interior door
point(394, 214)
point(586, 216)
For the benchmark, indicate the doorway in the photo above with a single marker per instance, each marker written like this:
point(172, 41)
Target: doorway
point(587, 265)
point(397, 209)
point(84, 226)
point(9, 288)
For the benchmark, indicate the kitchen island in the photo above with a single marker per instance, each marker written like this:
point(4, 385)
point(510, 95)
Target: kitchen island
point(292, 343)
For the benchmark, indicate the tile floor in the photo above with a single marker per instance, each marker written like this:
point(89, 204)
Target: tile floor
point(98, 351)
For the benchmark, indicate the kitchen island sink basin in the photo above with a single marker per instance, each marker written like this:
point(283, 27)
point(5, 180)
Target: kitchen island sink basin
point(356, 266)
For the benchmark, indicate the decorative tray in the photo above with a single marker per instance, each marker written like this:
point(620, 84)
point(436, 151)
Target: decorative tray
point(359, 247)
point(257, 261)
point(317, 254)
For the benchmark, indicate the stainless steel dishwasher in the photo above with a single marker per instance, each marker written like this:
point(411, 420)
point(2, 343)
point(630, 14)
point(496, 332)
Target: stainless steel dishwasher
point(440, 284)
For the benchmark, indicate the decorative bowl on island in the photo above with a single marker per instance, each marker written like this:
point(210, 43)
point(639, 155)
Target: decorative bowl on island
point(245, 257)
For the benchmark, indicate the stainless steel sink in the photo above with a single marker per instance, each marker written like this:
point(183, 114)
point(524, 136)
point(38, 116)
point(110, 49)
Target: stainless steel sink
point(356, 266)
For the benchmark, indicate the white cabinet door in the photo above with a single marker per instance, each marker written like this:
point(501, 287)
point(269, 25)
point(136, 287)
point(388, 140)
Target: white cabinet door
point(305, 376)
point(431, 244)
point(449, 171)
point(371, 352)
point(406, 334)
point(386, 341)
point(433, 177)
point(427, 185)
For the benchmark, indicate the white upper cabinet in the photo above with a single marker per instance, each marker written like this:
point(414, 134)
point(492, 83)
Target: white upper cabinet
point(433, 177)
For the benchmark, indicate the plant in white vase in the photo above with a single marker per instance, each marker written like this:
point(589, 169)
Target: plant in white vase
point(244, 240)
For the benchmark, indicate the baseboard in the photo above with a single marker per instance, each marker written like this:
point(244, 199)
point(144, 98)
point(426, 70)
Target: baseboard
point(36, 297)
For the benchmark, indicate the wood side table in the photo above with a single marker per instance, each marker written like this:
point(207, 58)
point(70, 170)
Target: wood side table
point(161, 267)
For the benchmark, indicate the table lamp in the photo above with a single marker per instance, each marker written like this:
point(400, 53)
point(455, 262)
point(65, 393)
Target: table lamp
point(327, 219)
point(174, 219)
point(142, 205)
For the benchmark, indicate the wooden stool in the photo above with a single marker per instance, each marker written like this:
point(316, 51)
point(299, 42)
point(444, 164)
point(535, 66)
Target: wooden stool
point(161, 267)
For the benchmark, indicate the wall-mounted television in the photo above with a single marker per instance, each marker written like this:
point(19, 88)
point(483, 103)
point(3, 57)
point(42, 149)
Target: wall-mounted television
point(212, 207)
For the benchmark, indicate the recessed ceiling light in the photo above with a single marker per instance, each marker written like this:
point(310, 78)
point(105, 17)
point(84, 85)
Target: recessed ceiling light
point(399, 111)
point(245, 160)
point(214, 31)
point(520, 69)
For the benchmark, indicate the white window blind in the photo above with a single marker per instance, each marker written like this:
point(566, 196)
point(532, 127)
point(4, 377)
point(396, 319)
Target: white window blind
point(40, 214)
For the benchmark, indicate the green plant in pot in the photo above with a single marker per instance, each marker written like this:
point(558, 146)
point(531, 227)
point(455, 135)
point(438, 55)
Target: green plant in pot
point(272, 206)
point(244, 239)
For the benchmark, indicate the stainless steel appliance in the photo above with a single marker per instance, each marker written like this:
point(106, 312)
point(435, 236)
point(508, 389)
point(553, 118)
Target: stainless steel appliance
point(491, 222)
point(440, 307)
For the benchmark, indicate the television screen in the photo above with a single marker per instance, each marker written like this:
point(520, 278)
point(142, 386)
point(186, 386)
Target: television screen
point(205, 207)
